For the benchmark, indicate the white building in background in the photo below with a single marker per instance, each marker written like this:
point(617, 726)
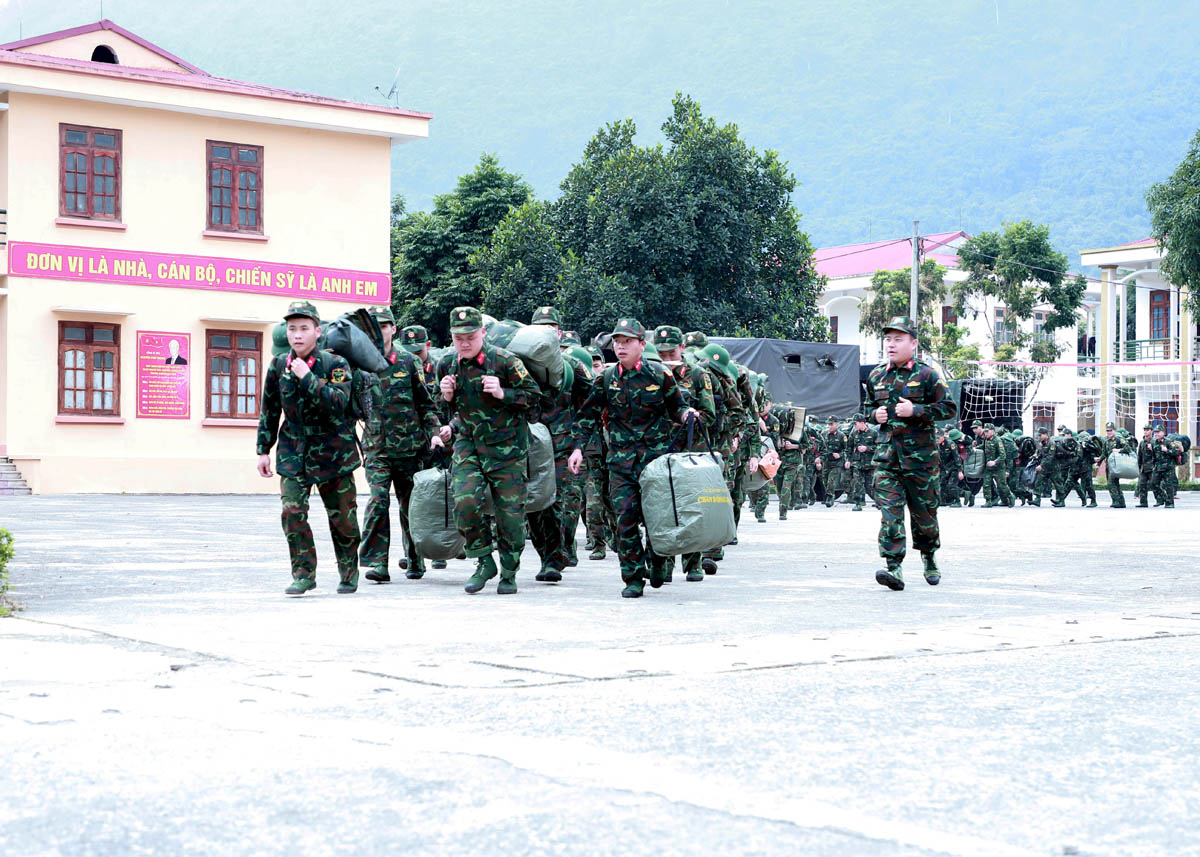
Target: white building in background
point(848, 269)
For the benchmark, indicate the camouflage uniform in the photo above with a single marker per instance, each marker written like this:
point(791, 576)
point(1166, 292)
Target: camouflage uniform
point(995, 477)
point(1119, 442)
point(833, 462)
point(1145, 454)
point(761, 497)
point(1167, 453)
point(787, 478)
point(861, 463)
point(1011, 455)
point(812, 454)
point(491, 441)
point(1043, 484)
point(951, 467)
point(639, 406)
point(317, 446)
point(906, 460)
point(395, 444)
point(734, 419)
point(1064, 450)
point(1081, 469)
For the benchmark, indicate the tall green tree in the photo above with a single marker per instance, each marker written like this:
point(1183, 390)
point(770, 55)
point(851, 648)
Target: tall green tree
point(522, 267)
point(889, 297)
point(431, 271)
point(1019, 267)
point(1175, 221)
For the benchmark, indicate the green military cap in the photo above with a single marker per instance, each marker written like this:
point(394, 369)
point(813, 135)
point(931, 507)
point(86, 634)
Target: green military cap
point(832, 419)
point(1159, 427)
point(465, 319)
point(1147, 426)
point(858, 418)
point(595, 353)
point(902, 323)
point(668, 336)
point(955, 434)
point(694, 339)
point(546, 315)
point(988, 427)
point(1110, 426)
point(629, 327)
point(718, 358)
point(651, 353)
point(1018, 433)
point(1044, 430)
point(302, 309)
point(414, 337)
point(977, 424)
point(382, 314)
point(570, 337)
point(583, 356)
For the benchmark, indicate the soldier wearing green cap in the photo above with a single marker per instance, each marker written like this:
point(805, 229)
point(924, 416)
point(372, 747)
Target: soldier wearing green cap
point(906, 398)
point(639, 402)
point(404, 425)
point(310, 389)
point(1064, 449)
point(698, 388)
point(733, 418)
point(951, 463)
point(598, 512)
point(1168, 454)
point(1110, 443)
point(860, 452)
point(547, 315)
point(995, 469)
point(1145, 454)
point(489, 394)
point(833, 463)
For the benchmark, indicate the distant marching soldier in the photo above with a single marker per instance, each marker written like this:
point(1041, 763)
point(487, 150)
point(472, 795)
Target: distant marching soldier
point(404, 426)
point(906, 398)
point(640, 402)
point(490, 393)
point(1114, 441)
point(734, 418)
point(1145, 455)
point(791, 460)
point(860, 448)
point(415, 340)
point(995, 469)
point(310, 389)
point(1167, 456)
point(597, 511)
point(1082, 469)
point(834, 465)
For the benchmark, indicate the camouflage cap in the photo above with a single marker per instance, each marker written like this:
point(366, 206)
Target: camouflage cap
point(1063, 428)
point(1110, 426)
point(595, 352)
point(1147, 427)
point(988, 427)
point(831, 419)
point(570, 337)
point(382, 314)
point(955, 434)
point(668, 336)
point(694, 339)
point(546, 315)
point(465, 319)
point(630, 327)
point(1018, 433)
point(1159, 427)
point(414, 337)
point(581, 354)
point(858, 418)
point(977, 424)
point(302, 309)
point(902, 323)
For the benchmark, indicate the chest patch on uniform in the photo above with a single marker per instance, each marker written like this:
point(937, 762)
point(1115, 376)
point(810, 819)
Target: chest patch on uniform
point(913, 384)
point(339, 376)
point(400, 374)
point(521, 371)
point(652, 388)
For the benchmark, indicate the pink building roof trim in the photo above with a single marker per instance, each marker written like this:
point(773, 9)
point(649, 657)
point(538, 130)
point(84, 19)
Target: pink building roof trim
point(104, 24)
point(197, 79)
point(853, 260)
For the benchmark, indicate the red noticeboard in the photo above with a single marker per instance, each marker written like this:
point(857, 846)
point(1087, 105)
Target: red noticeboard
point(163, 373)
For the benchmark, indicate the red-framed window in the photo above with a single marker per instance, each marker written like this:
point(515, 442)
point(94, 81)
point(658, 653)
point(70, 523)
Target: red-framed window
point(233, 358)
point(235, 202)
point(89, 369)
point(89, 172)
point(833, 328)
point(1160, 314)
point(1043, 418)
point(949, 316)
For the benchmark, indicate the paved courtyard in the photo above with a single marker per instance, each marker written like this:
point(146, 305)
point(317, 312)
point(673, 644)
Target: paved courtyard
point(159, 694)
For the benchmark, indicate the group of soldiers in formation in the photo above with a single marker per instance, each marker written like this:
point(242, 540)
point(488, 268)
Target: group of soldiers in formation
point(667, 391)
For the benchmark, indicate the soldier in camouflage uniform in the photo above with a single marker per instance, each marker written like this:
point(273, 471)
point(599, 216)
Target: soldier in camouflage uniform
point(1011, 455)
point(490, 394)
point(1081, 469)
point(906, 398)
point(733, 418)
point(1043, 484)
point(597, 511)
point(811, 444)
point(1114, 441)
point(415, 340)
point(951, 464)
point(310, 389)
point(697, 387)
point(860, 452)
point(1167, 456)
point(552, 530)
point(1145, 454)
point(833, 464)
point(640, 402)
point(403, 426)
point(1064, 449)
point(995, 470)
point(791, 460)
point(761, 497)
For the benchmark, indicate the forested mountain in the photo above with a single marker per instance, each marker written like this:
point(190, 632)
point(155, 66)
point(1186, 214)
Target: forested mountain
point(958, 114)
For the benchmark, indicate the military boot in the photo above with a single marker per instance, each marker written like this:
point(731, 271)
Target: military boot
point(438, 564)
point(857, 507)
point(1092, 505)
point(783, 513)
point(485, 570)
point(597, 552)
point(417, 570)
point(891, 577)
point(634, 587)
point(348, 583)
point(709, 565)
point(300, 585)
point(378, 574)
point(508, 582)
point(548, 575)
point(658, 574)
point(932, 576)
point(589, 544)
point(403, 563)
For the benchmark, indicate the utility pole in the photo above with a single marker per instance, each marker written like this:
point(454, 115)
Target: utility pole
point(916, 263)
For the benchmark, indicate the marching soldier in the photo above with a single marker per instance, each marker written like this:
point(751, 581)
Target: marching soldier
point(861, 451)
point(405, 424)
point(1113, 442)
point(791, 461)
point(415, 339)
point(310, 389)
point(489, 393)
point(833, 463)
point(640, 401)
point(995, 473)
point(1145, 454)
point(1167, 455)
point(907, 397)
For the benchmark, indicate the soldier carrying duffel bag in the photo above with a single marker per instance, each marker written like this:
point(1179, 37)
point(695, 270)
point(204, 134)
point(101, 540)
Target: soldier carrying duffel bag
point(686, 502)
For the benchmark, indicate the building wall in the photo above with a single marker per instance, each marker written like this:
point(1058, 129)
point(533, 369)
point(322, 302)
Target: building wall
point(80, 46)
point(325, 203)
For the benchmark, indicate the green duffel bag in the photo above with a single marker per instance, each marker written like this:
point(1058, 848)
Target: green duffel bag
point(540, 488)
point(975, 462)
point(1122, 465)
point(538, 347)
point(431, 516)
point(362, 349)
point(686, 504)
point(501, 333)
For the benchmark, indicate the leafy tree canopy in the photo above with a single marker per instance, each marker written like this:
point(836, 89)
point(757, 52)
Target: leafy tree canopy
point(1175, 221)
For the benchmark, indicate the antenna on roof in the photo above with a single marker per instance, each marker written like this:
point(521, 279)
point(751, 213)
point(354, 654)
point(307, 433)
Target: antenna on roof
point(391, 92)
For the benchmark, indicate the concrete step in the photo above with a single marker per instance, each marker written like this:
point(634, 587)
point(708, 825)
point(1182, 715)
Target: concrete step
point(11, 492)
point(11, 481)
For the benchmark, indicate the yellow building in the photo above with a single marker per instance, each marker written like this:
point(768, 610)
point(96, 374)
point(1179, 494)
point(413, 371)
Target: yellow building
point(159, 219)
